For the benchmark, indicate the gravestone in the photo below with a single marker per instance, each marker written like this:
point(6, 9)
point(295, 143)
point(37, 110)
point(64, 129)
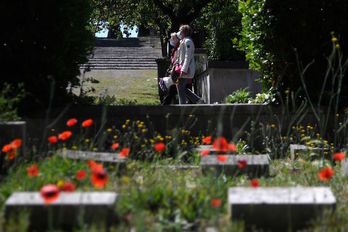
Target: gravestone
point(344, 167)
point(296, 149)
point(209, 148)
point(256, 165)
point(104, 157)
point(67, 212)
point(279, 208)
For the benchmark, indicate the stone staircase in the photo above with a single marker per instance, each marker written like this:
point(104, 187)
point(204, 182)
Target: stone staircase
point(125, 54)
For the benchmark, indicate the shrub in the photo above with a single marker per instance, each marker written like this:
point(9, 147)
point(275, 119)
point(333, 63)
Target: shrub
point(9, 98)
point(239, 96)
point(274, 32)
point(42, 45)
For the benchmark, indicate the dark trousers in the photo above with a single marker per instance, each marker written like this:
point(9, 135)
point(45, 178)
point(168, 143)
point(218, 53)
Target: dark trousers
point(184, 93)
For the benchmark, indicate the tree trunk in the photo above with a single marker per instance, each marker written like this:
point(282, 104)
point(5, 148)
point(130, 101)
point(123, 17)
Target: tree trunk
point(114, 32)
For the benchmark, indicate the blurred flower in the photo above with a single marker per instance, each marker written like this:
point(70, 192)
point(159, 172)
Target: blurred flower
point(215, 202)
point(114, 146)
point(12, 155)
point(80, 175)
point(222, 158)
point(159, 147)
point(69, 186)
point(242, 164)
point(220, 145)
point(99, 178)
point(49, 193)
point(87, 123)
point(94, 165)
point(65, 135)
point(205, 152)
point(254, 183)
point(232, 147)
point(326, 174)
point(6, 148)
point(86, 140)
point(33, 170)
point(206, 140)
point(109, 130)
point(124, 152)
point(71, 122)
point(15, 144)
point(339, 156)
point(52, 139)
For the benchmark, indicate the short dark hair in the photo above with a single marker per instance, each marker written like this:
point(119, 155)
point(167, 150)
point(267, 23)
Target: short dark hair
point(186, 29)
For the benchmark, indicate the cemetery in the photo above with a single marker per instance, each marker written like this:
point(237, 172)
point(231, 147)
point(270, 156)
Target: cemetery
point(89, 144)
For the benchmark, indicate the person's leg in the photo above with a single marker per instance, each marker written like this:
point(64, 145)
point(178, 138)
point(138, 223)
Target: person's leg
point(191, 96)
point(181, 87)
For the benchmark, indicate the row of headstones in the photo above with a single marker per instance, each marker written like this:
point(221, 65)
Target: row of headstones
point(263, 207)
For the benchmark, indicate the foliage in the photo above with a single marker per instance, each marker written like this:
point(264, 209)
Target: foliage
point(273, 33)
point(9, 99)
point(222, 22)
point(42, 45)
point(239, 96)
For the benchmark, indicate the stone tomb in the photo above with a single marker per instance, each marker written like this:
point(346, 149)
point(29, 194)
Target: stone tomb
point(256, 165)
point(69, 211)
point(296, 149)
point(105, 157)
point(13, 130)
point(279, 208)
point(344, 167)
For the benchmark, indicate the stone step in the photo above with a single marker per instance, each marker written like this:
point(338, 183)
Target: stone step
point(279, 208)
point(64, 213)
point(255, 165)
point(121, 68)
point(121, 62)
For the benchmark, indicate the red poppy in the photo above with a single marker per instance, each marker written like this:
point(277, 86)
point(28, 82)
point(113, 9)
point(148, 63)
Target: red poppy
point(242, 164)
point(205, 152)
point(87, 123)
point(220, 145)
point(65, 135)
point(69, 186)
point(339, 156)
point(125, 152)
point(71, 122)
point(206, 140)
point(15, 144)
point(94, 165)
point(232, 147)
point(80, 175)
point(222, 158)
point(12, 155)
point(114, 146)
point(33, 170)
point(52, 139)
point(49, 193)
point(6, 148)
point(99, 178)
point(254, 183)
point(159, 147)
point(215, 202)
point(326, 174)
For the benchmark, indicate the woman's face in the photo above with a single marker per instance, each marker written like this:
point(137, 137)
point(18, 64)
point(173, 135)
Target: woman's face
point(181, 33)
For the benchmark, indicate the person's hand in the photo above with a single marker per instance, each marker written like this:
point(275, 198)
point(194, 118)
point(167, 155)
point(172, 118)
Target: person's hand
point(182, 74)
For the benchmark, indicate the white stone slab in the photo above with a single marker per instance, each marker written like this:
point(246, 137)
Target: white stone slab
point(105, 157)
point(279, 207)
point(294, 148)
point(344, 167)
point(257, 165)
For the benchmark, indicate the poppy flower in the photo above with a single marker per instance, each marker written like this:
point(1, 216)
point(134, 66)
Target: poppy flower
point(80, 175)
point(99, 178)
point(205, 152)
point(206, 140)
point(71, 122)
point(222, 158)
point(242, 164)
point(52, 139)
point(15, 144)
point(220, 145)
point(94, 165)
point(339, 156)
point(87, 123)
point(254, 183)
point(49, 193)
point(215, 202)
point(125, 152)
point(33, 170)
point(69, 186)
point(12, 155)
point(159, 147)
point(65, 135)
point(114, 146)
point(6, 148)
point(232, 147)
point(326, 174)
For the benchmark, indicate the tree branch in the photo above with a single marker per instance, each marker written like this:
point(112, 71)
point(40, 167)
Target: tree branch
point(165, 9)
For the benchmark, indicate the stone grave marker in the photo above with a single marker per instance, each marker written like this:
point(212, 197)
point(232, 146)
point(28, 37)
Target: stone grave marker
point(298, 148)
point(279, 208)
point(12, 130)
point(254, 165)
point(105, 157)
point(67, 212)
point(344, 167)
